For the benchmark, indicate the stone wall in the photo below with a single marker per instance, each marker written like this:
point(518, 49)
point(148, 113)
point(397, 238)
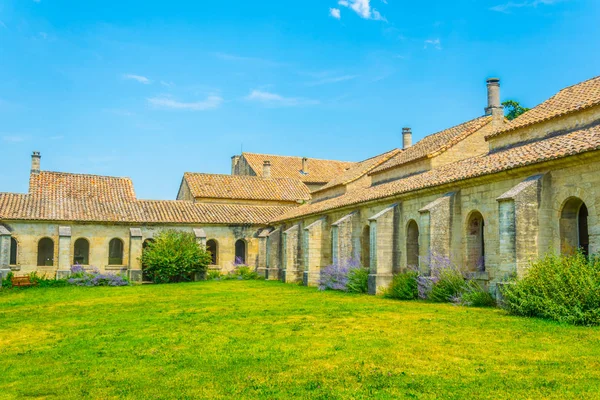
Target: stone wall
point(64, 235)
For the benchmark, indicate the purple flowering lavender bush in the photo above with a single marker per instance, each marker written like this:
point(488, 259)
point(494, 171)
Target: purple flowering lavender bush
point(345, 275)
point(81, 276)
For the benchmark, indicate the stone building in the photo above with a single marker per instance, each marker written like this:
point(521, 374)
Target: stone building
point(487, 195)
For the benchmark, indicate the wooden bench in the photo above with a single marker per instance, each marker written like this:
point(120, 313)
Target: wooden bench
point(21, 281)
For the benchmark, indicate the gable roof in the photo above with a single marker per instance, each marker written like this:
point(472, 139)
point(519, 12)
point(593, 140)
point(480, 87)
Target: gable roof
point(61, 185)
point(86, 209)
point(245, 187)
point(358, 170)
point(551, 148)
point(571, 99)
point(435, 144)
point(319, 171)
point(58, 196)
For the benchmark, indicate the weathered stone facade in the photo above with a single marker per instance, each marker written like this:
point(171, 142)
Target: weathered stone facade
point(488, 196)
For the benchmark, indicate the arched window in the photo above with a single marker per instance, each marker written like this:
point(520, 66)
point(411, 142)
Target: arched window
point(115, 252)
point(213, 248)
point(81, 252)
point(45, 252)
point(476, 242)
point(365, 247)
point(14, 246)
point(574, 232)
point(240, 252)
point(412, 245)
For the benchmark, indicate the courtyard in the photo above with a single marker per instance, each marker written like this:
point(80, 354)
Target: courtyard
point(256, 339)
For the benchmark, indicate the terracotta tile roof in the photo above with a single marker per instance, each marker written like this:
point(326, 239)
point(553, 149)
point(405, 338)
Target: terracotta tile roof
point(568, 144)
point(319, 171)
point(37, 208)
point(245, 187)
point(571, 99)
point(358, 170)
point(436, 143)
point(56, 196)
point(60, 185)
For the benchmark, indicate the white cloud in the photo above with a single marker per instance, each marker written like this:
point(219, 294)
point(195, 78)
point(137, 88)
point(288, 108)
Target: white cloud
point(167, 84)
point(15, 138)
point(435, 43)
point(274, 99)
point(335, 13)
point(363, 9)
point(166, 102)
point(333, 79)
point(43, 35)
point(257, 60)
point(138, 78)
point(58, 137)
point(506, 7)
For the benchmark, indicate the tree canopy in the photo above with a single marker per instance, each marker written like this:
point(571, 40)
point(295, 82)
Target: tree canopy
point(513, 109)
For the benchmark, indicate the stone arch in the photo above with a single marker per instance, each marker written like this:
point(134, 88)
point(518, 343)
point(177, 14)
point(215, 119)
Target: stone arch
point(365, 247)
point(115, 252)
point(574, 233)
point(212, 246)
point(81, 252)
point(240, 252)
point(14, 251)
point(45, 257)
point(475, 242)
point(412, 244)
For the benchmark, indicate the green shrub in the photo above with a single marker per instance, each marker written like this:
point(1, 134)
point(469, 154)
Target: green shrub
point(561, 288)
point(476, 296)
point(448, 285)
point(174, 256)
point(45, 282)
point(213, 275)
point(242, 273)
point(358, 280)
point(404, 286)
point(7, 282)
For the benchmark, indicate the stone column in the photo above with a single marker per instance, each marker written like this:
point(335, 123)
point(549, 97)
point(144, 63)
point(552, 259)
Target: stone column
point(135, 255)
point(5, 236)
point(200, 237)
point(436, 222)
point(292, 270)
point(262, 252)
point(314, 247)
point(273, 250)
point(519, 226)
point(383, 248)
point(64, 252)
point(346, 238)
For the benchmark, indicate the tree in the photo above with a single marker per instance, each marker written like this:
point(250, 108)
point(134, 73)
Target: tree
point(174, 256)
point(513, 109)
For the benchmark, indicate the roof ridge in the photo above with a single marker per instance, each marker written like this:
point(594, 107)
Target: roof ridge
point(82, 174)
point(244, 176)
point(300, 157)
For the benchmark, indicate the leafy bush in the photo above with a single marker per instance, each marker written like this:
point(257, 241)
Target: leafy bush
point(174, 256)
point(358, 280)
point(404, 286)
point(45, 282)
point(448, 284)
point(213, 274)
point(7, 282)
point(561, 288)
point(336, 276)
point(474, 295)
point(93, 277)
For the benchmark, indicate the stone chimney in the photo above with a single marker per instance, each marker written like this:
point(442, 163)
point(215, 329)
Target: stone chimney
point(267, 169)
point(494, 107)
point(234, 163)
point(35, 162)
point(305, 166)
point(406, 138)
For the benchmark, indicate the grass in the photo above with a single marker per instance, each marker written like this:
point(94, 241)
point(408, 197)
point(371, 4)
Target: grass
point(251, 339)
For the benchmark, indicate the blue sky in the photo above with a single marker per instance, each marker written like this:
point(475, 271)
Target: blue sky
point(150, 89)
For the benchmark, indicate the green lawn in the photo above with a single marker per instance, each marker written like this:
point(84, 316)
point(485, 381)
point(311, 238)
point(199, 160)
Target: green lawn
point(238, 339)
